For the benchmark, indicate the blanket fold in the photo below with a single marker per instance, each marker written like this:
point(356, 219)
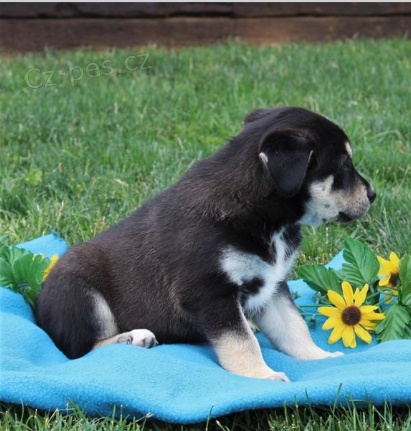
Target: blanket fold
point(184, 383)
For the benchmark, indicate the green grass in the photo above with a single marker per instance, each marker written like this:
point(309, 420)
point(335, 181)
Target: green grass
point(296, 418)
point(79, 155)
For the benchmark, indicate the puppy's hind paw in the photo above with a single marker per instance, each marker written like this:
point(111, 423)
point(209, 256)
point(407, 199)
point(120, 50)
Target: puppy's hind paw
point(138, 337)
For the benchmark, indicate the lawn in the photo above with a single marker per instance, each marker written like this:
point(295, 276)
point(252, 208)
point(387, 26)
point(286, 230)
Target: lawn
point(88, 136)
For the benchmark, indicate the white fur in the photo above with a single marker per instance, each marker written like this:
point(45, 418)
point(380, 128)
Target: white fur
point(349, 149)
point(138, 337)
point(104, 316)
point(263, 157)
point(326, 204)
point(283, 325)
point(276, 316)
point(239, 353)
point(242, 267)
point(109, 332)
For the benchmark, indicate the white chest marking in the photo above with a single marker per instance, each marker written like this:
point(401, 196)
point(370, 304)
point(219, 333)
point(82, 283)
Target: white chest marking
point(241, 267)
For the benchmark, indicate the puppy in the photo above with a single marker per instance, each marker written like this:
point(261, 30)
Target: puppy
point(193, 263)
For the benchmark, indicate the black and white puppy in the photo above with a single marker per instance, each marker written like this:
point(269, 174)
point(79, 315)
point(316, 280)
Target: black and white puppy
point(194, 262)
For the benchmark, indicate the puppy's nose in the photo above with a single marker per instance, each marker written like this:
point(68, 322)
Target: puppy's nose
point(371, 194)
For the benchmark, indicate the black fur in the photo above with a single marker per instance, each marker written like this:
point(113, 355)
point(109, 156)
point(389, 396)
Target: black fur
point(159, 268)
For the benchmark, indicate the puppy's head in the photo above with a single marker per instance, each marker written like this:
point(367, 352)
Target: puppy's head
point(309, 157)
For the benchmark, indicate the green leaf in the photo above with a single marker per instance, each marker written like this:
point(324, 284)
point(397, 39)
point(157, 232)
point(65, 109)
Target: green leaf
point(407, 330)
point(405, 279)
point(395, 325)
point(22, 272)
point(319, 278)
point(28, 273)
point(6, 273)
point(361, 265)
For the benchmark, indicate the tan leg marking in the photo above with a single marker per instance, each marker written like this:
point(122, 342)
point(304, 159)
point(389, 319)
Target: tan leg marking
point(241, 354)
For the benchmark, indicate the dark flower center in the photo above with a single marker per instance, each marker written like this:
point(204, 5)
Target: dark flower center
point(351, 315)
point(394, 279)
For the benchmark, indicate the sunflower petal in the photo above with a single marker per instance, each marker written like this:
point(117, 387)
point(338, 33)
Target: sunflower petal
point(383, 262)
point(360, 295)
point(330, 311)
point(336, 333)
point(53, 262)
point(336, 299)
point(353, 344)
point(363, 334)
point(385, 281)
point(388, 267)
point(348, 336)
point(368, 308)
point(348, 293)
point(373, 316)
point(395, 260)
point(385, 265)
point(331, 322)
point(369, 326)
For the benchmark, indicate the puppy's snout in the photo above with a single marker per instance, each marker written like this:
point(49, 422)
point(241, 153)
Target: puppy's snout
point(371, 193)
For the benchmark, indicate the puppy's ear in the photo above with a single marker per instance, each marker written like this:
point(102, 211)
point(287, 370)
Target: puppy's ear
point(256, 115)
point(286, 155)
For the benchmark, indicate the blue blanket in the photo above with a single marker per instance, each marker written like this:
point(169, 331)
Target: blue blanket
point(184, 383)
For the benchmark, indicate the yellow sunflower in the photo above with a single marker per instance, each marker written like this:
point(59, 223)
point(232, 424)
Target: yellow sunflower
point(350, 317)
point(53, 261)
point(389, 270)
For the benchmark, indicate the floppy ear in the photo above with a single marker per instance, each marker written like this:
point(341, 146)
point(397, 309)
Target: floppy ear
point(256, 115)
point(286, 155)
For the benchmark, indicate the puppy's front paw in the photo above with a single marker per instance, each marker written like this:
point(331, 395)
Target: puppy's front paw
point(270, 374)
point(324, 354)
point(279, 376)
point(138, 337)
point(315, 353)
point(333, 354)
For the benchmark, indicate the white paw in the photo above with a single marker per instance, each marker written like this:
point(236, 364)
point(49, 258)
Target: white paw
point(315, 353)
point(267, 373)
point(279, 376)
point(334, 354)
point(323, 354)
point(138, 337)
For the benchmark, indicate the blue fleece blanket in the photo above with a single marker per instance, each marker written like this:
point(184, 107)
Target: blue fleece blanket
point(184, 383)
